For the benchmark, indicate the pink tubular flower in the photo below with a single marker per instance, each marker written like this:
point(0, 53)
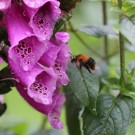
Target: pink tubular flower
point(40, 83)
point(61, 56)
point(53, 110)
point(43, 87)
point(37, 61)
point(24, 44)
point(43, 16)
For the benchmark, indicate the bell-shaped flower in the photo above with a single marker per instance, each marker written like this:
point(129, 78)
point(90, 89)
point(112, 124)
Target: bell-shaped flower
point(43, 15)
point(25, 48)
point(62, 37)
point(57, 56)
point(62, 57)
point(39, 82)
point(4, 4)
point(42, 89)
point(53, 110)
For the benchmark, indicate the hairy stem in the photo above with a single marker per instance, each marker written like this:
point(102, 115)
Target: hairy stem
point(104, 12)
point(122, 51)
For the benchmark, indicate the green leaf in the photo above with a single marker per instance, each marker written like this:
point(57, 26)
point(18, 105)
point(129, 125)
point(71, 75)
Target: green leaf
point(112, 82)
point(3, 108)
point(113, 116)
point(84, 85)
point(128, 7)
point(5, 85)
point(65, 16)
point(73, 108)
point(97, 31)
point(130, 87)
point(127, 28)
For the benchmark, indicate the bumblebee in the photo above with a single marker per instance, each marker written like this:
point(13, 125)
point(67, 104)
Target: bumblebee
point(85, 61)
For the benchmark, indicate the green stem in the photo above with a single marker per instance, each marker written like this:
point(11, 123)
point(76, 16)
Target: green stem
point(122, 51)
point(44, 121)
point(104, 11)
point(65, 27)
point(82, 41)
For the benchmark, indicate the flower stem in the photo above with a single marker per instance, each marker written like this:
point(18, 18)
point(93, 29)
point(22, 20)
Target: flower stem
point(104, 12)
point(44, 121)
point(122, 51)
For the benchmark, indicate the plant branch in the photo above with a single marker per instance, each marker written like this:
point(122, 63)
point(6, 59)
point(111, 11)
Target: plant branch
point(104, 12)
point(82, 41)
point(122, 51)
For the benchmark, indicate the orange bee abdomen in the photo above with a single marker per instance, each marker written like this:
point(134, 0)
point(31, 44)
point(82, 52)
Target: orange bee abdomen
point(82, 57)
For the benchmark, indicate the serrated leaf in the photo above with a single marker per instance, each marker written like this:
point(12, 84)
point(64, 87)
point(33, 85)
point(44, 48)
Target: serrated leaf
point(113, 116)
point(3, 108)
point(5, 85)
point(73, 108)
point(112, 82)
point(84, 85)
point(97, 31)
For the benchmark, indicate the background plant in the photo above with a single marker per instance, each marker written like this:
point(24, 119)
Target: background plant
point(102, 102)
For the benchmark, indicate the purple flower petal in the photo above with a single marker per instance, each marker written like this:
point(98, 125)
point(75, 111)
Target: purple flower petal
point(43, 21)
point(35, 3)
point(49, 57)
point(25, 48)
point(4, 4)
point(1, 61)
point(62, 37)
point(53, 110)
point(42, 89)
point(24, 77)
point(1, 99)
point(45, 109)
point(40, 82)
point(17, 24)
point(54, 114)
point(62, 76)
point(63, 55)
point(27, 52)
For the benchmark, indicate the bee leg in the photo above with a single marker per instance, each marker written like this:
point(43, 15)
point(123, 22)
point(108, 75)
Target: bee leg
point(81, 64)
point(88, 68)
